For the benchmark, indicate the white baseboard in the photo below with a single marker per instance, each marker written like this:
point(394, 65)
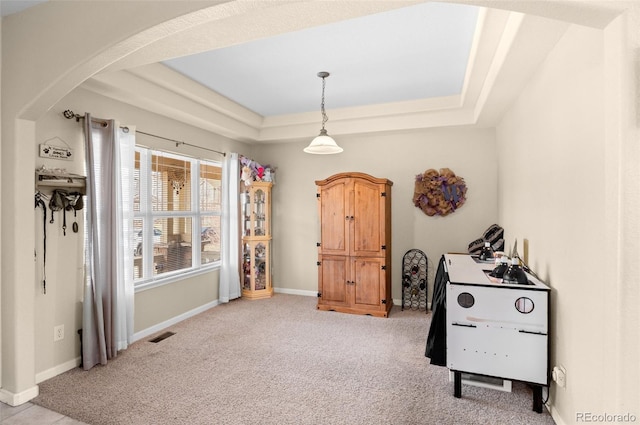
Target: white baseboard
point(296, 292)
point(163, 325)
point(13, 399)
point(57, 370)
point(554, 414)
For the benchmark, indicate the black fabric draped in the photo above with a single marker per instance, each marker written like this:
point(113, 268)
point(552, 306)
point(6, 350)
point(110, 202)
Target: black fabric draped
point(436, 348)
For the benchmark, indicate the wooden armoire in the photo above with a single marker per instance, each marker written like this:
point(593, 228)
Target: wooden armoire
point(354, 251)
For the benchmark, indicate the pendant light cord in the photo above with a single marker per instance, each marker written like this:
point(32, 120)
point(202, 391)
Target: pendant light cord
point(324, 114)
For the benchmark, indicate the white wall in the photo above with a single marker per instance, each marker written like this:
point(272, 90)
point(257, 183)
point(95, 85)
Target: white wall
point(553, 183)
point(399, 157)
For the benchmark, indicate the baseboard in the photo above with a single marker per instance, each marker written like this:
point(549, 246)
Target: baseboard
point(13, 399)
point(177, 319)
point(296, 292)
point(57, 370)
point(64, 367)
point(554, 414)
point(315, 294)
point(399, 304)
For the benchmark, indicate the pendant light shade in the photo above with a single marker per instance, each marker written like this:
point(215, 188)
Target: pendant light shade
point(323, 144)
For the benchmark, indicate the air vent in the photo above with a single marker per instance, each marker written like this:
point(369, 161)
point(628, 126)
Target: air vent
point(162, 337)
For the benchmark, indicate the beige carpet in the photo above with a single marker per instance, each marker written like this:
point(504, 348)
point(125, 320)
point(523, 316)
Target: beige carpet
point(280, 361)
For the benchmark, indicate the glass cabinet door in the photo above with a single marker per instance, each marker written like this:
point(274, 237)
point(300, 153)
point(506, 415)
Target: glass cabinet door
point(260, 271)
point(259, 213)
point(255, 266)
point(245, 198)
point(255, 216)
point(246, 266)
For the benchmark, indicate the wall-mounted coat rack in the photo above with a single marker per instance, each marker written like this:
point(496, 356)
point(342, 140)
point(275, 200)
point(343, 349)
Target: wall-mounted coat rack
point(58, 180)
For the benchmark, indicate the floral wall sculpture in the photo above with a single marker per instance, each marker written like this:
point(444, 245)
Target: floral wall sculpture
point(439, 192)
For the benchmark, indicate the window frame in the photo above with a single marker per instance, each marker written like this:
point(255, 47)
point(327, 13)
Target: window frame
point(148, 216)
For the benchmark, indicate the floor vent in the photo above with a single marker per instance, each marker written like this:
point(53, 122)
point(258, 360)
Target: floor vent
point(162, 337)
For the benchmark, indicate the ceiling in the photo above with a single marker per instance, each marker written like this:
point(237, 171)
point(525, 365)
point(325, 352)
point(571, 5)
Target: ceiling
point(247, 69)
point(410, 53)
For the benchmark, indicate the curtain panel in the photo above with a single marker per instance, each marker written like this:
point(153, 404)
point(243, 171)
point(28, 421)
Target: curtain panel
point(108, 292)
point(229, 287)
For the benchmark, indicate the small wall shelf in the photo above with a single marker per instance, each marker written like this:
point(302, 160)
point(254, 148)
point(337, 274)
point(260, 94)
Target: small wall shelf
point(52, 180)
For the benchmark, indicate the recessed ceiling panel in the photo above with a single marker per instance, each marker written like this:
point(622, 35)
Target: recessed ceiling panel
point(410, 53)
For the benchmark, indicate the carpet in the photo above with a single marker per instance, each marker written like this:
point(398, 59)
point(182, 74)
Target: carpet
point(281, 361)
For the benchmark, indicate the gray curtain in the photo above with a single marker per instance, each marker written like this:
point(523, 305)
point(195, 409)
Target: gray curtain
point(108, 293)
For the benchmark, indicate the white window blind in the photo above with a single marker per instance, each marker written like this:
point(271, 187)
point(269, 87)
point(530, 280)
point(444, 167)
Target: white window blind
point(177, 209)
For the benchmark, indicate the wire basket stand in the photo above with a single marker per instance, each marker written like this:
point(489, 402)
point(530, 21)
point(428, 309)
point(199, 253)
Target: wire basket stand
point(415, 269)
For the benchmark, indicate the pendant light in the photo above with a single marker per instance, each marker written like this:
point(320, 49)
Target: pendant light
point(323, 144)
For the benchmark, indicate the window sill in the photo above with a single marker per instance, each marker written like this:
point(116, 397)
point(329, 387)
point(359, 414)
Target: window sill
point(173, 277)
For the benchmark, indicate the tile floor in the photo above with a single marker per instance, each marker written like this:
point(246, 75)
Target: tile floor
point(31, 414)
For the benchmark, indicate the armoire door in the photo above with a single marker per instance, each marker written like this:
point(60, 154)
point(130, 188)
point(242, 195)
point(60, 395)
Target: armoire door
point(333, 274)
point(368, 288)
point(334, 218)
point(367, 225)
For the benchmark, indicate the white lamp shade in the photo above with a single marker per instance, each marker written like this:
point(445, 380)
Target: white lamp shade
point(323, 145)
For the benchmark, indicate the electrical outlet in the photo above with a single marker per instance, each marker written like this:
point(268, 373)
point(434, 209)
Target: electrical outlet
point(58, 333)
point(559, 376)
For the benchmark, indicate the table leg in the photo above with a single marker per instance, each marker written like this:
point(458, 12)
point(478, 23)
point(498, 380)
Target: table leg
point(537, 398)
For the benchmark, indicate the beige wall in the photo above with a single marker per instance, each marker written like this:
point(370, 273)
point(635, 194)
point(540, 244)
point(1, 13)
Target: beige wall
point(158, 306)
point(470, 153)
point(399, 157)
point(557, 163)
point(61, 305)
point(38, 71)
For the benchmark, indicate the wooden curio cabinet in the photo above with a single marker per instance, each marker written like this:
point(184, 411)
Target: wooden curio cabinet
point(256, 241)
point(354, 252)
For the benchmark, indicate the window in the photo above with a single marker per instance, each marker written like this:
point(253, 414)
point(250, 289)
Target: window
point(177, 208)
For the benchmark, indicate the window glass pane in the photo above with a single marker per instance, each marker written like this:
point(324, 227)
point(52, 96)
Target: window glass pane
point(170, 184)
point(210, 239)
point(138, 263)
point(210, 187)
point(172, 244)
point(164, 224)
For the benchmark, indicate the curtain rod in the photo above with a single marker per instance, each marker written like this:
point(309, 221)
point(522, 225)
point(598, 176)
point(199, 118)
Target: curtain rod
point(68, 114)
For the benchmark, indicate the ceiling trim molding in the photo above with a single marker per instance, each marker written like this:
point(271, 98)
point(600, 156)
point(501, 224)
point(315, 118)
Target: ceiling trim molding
point(498, 55)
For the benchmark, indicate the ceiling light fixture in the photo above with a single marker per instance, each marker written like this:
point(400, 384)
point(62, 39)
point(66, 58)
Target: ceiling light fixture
point(323, 144)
